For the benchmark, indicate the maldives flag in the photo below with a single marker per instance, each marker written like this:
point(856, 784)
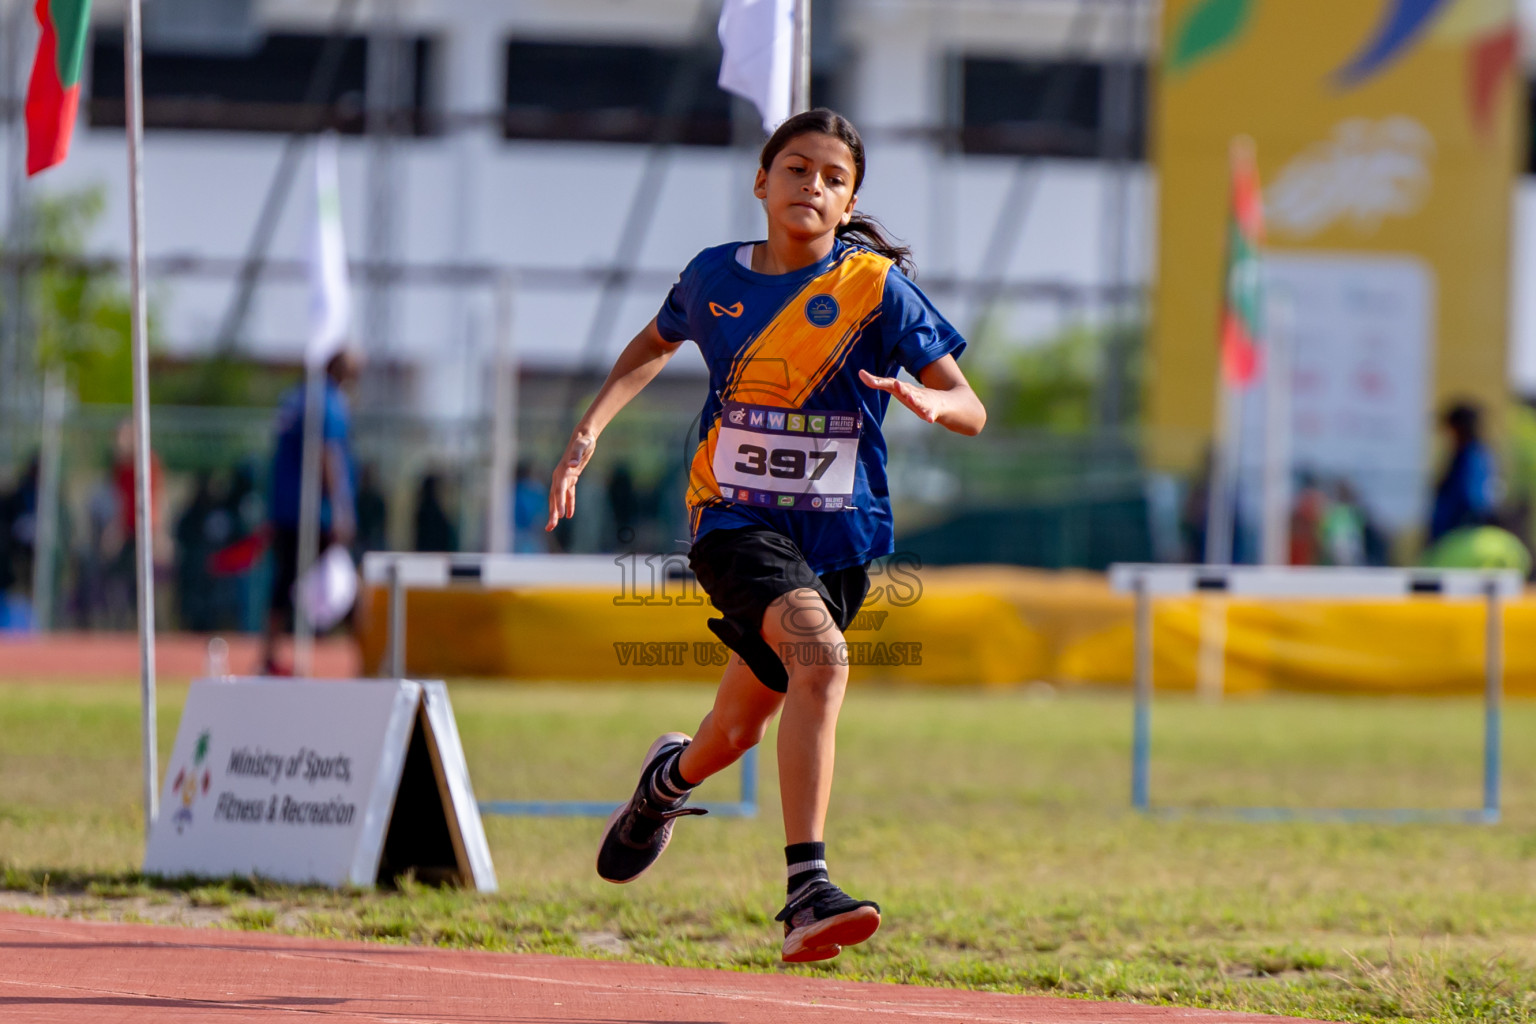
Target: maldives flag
point(1244, 295)
point(53, 95)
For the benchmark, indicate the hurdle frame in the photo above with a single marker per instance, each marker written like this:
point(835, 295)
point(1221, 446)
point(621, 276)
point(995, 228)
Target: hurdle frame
point(400, 572)
point(1147, 581)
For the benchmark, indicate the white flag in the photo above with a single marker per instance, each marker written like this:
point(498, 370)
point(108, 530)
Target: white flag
point(758, 37)
point(330, 295)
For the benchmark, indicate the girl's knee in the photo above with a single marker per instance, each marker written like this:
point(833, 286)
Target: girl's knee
point(825, 683)
point(744, 735)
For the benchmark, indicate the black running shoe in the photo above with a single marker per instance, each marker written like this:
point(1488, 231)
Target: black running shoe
point(638, 832)
point(821, 919)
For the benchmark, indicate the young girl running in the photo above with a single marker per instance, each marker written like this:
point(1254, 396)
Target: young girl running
point(787, 500)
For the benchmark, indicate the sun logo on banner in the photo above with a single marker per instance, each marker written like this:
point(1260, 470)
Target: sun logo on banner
point(189, 785)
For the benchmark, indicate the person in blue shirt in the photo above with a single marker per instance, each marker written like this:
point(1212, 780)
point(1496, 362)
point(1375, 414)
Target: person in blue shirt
point(1467, 492)
point(803, 334)
point(338, 485)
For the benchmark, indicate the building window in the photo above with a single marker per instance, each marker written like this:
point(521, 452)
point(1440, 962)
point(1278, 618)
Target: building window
point(615, 93)
point(1042, 107)
point(261, 90)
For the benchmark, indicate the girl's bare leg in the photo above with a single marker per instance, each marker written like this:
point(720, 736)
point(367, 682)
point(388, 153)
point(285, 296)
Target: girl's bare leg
point(743, 708)
point(799, 625)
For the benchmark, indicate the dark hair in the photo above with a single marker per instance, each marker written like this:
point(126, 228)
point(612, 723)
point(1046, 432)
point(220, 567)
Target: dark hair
point(866, 231)
point(1465, 419)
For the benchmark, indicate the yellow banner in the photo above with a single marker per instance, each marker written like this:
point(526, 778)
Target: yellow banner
point(1388, 133)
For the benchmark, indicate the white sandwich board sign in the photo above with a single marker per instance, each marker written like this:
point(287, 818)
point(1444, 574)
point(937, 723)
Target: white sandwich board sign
point(310, 781)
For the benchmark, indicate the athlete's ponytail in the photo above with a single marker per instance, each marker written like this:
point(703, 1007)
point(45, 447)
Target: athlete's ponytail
point(864, 230)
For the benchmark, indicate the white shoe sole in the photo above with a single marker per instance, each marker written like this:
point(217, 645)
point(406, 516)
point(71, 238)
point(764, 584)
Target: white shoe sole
point(665, 740)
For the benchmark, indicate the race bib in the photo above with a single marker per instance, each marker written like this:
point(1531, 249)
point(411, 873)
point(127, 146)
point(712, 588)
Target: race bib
point(787, 458)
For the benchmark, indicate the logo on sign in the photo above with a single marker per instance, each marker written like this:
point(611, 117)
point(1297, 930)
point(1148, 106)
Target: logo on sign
point(815, 503)
point(762, 499)
point(756, 419)
point(775, 421)
point(728, 492)
point(189, 785)
point(786, 499)
point(818, 424)
point(821, 310)
point(737, 415)
point(797, 422)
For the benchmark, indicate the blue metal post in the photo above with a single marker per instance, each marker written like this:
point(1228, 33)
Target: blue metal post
point(1141, 742)
point(749, 783)
point(1493, 699)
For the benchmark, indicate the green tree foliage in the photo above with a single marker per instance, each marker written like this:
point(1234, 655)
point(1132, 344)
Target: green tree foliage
point(1054, 384)
point(79, 322)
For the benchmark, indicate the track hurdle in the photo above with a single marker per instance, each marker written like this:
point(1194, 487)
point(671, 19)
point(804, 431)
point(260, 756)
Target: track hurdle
point(1147, 582)
point(400, 572)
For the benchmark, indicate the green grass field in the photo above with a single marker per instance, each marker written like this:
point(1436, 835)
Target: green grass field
point(993, 827)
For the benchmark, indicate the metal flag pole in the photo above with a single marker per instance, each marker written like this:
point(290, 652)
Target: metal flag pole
point(309, 512)
point(143, 500)
point(800, 66)
point(1277, 435)
point(500, 502)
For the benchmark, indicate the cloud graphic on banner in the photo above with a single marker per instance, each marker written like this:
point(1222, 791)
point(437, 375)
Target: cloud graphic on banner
point(1368, 171)
point(1405, 20)
point(1209, 27)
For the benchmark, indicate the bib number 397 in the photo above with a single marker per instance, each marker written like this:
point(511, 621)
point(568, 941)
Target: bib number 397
point(787, 458)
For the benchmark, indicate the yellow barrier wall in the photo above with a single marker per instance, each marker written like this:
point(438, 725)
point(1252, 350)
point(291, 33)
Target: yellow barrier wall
point(988, 625)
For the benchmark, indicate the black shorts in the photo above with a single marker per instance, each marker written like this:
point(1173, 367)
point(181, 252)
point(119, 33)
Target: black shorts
point(746, 569)
point(285, 565)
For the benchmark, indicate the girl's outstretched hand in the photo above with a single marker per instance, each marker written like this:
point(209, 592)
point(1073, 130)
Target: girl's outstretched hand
point(923, 401)
point(562, 486)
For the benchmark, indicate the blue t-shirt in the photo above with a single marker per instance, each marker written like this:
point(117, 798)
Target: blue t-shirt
point(288, 458)
point(798, 341)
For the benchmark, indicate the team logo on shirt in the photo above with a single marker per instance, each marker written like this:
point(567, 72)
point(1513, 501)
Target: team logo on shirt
point(732, 311)
point(821, 310)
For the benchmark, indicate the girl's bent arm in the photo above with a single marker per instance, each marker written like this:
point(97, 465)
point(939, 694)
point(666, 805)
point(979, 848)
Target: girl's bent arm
point(945, 398)
point(638, 365)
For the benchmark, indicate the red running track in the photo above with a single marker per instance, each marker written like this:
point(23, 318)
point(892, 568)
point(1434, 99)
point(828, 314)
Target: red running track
point(53, 970)
point(114, 657)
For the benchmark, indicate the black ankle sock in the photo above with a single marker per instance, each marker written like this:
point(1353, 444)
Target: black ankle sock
point(806, 861)
point(667, 782)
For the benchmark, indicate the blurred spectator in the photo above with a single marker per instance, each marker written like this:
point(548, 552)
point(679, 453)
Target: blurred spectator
point(1307, 519)
point(1341, 531)
point(192, 553)
point(123, 480)
point(530, 511)
point(338, 516)
point(209, 598)
point(623, 504)
point(434, 529)
point(99, 602)
point(1467, 494)
point(1197, 508)
point(18, 533)
point(372, 515)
